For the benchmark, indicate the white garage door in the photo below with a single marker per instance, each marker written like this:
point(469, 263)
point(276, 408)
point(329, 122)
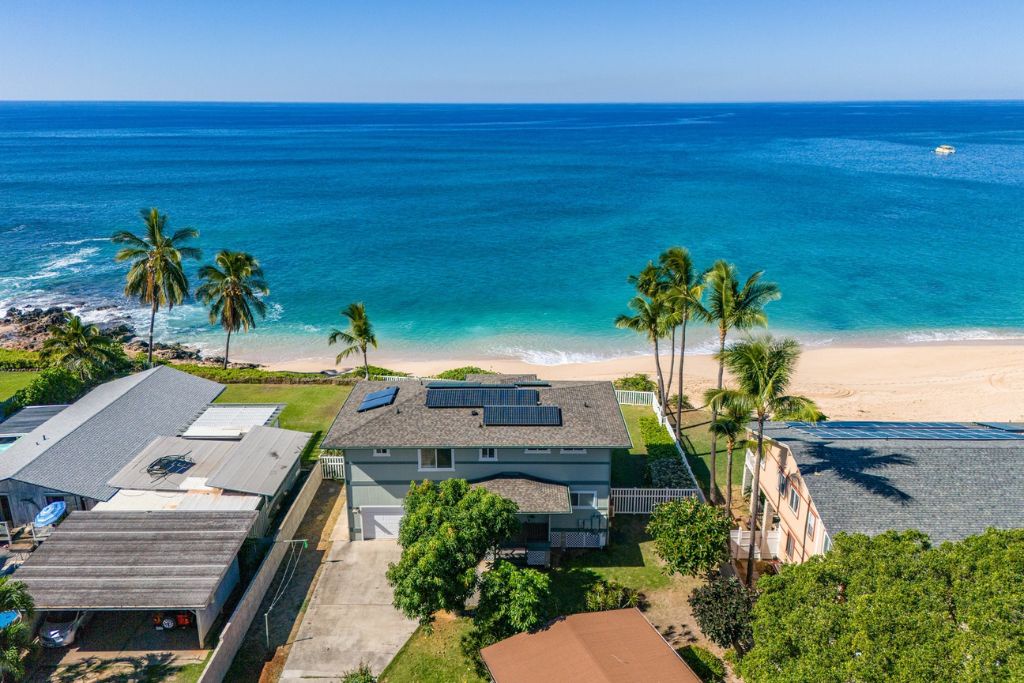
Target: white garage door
point(381, 522)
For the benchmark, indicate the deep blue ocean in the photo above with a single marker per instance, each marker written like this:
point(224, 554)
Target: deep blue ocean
point(508, 231)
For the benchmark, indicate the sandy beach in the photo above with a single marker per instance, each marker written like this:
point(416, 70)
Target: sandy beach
point(977, 381)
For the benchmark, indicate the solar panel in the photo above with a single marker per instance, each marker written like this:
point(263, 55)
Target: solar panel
point(378, 399)
point(533, 416)
point(452, 384)
point(480, 397)
point(533, 383)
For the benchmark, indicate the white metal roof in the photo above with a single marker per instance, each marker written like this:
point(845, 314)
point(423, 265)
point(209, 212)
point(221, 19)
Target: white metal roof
point(231, 420)
point(129, 499)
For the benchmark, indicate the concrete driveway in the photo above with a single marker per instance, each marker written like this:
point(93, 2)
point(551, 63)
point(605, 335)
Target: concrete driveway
point(350, 618)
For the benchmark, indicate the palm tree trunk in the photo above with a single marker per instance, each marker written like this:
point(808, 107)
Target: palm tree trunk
point(227, 349)
point(755, 494)
point(671, 365)
point(366, 365)
point(152, 322)
point(730, 445)
point(714, 416)
point(682, 358)
point(661, 378)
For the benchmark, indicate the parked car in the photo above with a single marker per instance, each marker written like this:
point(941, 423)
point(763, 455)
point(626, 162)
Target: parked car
point(61, 629)
point(166, 621)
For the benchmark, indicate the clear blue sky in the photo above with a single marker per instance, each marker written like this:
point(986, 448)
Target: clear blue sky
point(513, 50)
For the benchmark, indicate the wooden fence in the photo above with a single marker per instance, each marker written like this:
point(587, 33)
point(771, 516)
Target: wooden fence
point(639, 501)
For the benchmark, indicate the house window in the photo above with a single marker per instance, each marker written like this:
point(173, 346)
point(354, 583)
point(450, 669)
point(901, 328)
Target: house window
point(790, 544)
point(783, 482)
point(583, 499)
point(573, 451)
point(812, 523)
point(536, 451)
point(488, 455)
point(794, 500)
point(55, 499)
point(437, 459)
point(827, 545)
point(381, 452)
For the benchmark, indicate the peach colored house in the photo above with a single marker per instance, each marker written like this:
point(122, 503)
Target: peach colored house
point(947, 479)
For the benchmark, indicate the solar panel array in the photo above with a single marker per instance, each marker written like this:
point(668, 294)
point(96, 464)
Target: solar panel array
point(532, 416)
point(378, 399)
point(919, 431)
point(480, 397)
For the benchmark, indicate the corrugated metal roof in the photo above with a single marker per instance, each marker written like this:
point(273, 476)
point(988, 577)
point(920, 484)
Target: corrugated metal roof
point(232, 420)
point(261, 461)
point(135, 560)
point(28, 418)
point(207, 455)
point(81, 448)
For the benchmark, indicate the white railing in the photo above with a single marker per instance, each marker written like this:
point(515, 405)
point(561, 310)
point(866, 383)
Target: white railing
point(634, 398)
point(333, 466)
point(638, 501)
point(395, 378)
point(766, 544)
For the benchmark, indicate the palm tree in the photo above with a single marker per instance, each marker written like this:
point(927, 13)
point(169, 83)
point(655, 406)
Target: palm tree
point(763, 367)
point(684, 292)
point(81, 348)
point(233, 287)
point(731, 425)
point(156, 277)
point(650, 320)
point(732, 307)
point(358, 337)
point(16, 638)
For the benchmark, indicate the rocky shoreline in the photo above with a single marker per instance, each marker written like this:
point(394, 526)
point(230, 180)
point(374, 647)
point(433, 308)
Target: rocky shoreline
point(27, 329)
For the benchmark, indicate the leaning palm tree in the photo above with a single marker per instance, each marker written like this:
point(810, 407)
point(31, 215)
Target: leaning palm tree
point(684, 291)
point(16, 638)
point(731, 425)
point(651, 283)
point(763, 367)
point(156, 277)
point(649, 319)
point(358, 337)
point(233, 287)
point(730, 307)
point(80, 348)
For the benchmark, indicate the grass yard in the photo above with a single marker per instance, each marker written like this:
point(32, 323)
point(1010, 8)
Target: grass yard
point(628, 465)
point(433, 658)
point(310, 407)
point(697, 441)
point(10, 382)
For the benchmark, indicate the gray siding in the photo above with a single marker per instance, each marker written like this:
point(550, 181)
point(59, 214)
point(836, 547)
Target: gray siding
point(26, 500)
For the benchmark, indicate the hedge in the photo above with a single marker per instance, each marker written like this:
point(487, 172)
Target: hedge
point(669, 473)
point(260, 376)
point(460, 373)
point(52, 386)
point(637, 382)
point(665, 468)
point(16, 359)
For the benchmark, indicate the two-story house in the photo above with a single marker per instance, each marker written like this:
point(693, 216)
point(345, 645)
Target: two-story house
point(545, 445)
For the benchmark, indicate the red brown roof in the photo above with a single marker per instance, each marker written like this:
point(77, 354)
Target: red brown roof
point(618, 646)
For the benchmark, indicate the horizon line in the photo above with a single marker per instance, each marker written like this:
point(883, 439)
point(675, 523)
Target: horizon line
point(517, 103)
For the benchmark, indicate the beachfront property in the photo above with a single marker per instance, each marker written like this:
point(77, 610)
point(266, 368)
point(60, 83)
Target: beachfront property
point(544, 445)
point(949, 480)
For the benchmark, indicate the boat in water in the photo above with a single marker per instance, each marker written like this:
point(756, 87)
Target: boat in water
point(944, 150)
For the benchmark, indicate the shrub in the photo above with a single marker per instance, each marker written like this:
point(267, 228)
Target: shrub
point(605, 595)
point(637, 382)
point(52, 386)
point(723, 610)
point(658, 442)
point(690, 536)
point(16, 359)
point(460, 373)
point(669, 473)
point(256, 375)
point(361, 674)
point(673, 402)
point(375, 371)
point(704, 663)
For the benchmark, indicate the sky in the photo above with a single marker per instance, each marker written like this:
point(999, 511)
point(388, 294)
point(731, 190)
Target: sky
point(512, 51)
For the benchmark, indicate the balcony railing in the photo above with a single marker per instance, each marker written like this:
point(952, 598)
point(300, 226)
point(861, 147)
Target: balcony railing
point(766, 544)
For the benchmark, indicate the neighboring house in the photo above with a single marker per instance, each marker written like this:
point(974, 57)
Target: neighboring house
point(616, 646)
point(949, 480)
point(545, 445)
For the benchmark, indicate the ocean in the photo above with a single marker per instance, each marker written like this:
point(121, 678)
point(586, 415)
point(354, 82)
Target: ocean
point(507, 231)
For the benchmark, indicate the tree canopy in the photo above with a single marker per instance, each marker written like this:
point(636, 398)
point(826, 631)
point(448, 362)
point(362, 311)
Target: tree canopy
point(690, 536)
point(894, 608)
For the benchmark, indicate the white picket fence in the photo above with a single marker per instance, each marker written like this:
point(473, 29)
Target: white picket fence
point(634, 398)
point(638, 501)
point(649, 398)
point(333, 466)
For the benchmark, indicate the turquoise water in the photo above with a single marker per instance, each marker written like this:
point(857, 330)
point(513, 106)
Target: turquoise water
point(509, 230)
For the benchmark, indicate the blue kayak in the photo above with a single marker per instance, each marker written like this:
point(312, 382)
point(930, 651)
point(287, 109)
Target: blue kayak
point(51, 513)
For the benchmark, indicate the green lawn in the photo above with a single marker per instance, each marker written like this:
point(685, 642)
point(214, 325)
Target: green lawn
point(628, 465)
point(433, 658)
point(10, 382)
point(697, 442)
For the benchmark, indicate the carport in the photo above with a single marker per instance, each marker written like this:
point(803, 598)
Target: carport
point(167, 560)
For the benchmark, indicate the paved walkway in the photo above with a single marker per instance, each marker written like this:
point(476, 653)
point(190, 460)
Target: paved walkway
point(350, 618)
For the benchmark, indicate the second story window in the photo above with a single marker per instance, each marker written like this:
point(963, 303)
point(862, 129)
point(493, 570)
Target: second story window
point(790, 544)
point(437, 459)
point(794, 500)
point(782, 482)
point(381, 452)
point(812, 524)
point(488, 455)
point(583, 499)
point(573, 451)
point(536, 451)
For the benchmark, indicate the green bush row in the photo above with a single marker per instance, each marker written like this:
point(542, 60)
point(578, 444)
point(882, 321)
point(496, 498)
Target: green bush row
point(258, 376)
point(16, 359)
point(704, 663)
point(664, 467)
point(52, 386)
point(669, 473)
point(637, 382)
point(460, 373)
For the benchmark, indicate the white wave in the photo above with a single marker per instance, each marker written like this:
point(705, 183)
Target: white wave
point(558, 356)
point(274, 312)
point(73, 243)
point(978, 334)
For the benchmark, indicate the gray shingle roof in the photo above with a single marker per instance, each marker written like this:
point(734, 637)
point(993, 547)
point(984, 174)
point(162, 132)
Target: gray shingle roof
point(135, 560)
point(533, 496)
point(590, 418)
point(28, 418)
point(946, 489)
point(86, 444)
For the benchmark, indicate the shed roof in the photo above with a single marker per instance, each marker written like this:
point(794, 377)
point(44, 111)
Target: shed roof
point(532, 495)
point(590, 419)
point(261, 461)
point(208, 456)
point(79, 449)
point(28, 418)
point(617, 646)
point(135, 560)
point(232, 420)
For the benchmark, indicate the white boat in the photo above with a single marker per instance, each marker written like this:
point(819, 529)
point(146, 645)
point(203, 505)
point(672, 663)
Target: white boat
point(943, 150)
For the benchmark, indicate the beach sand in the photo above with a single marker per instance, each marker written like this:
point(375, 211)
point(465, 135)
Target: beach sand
point(975, 381)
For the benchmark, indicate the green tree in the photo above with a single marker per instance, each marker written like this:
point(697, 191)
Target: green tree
point(894, 608)
point(690, 536)
point(512, 600)
point(233, 287)
point(684, 290)
point(16, 638)
point(650, 318)
point(722, 608)
point(447, 530)
point(732, 307)
point(51, 387)
point(357, 338)
point(638, 382)
point(82, 349)
point(730, 423)
point(763, 367)
point(156, 277)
